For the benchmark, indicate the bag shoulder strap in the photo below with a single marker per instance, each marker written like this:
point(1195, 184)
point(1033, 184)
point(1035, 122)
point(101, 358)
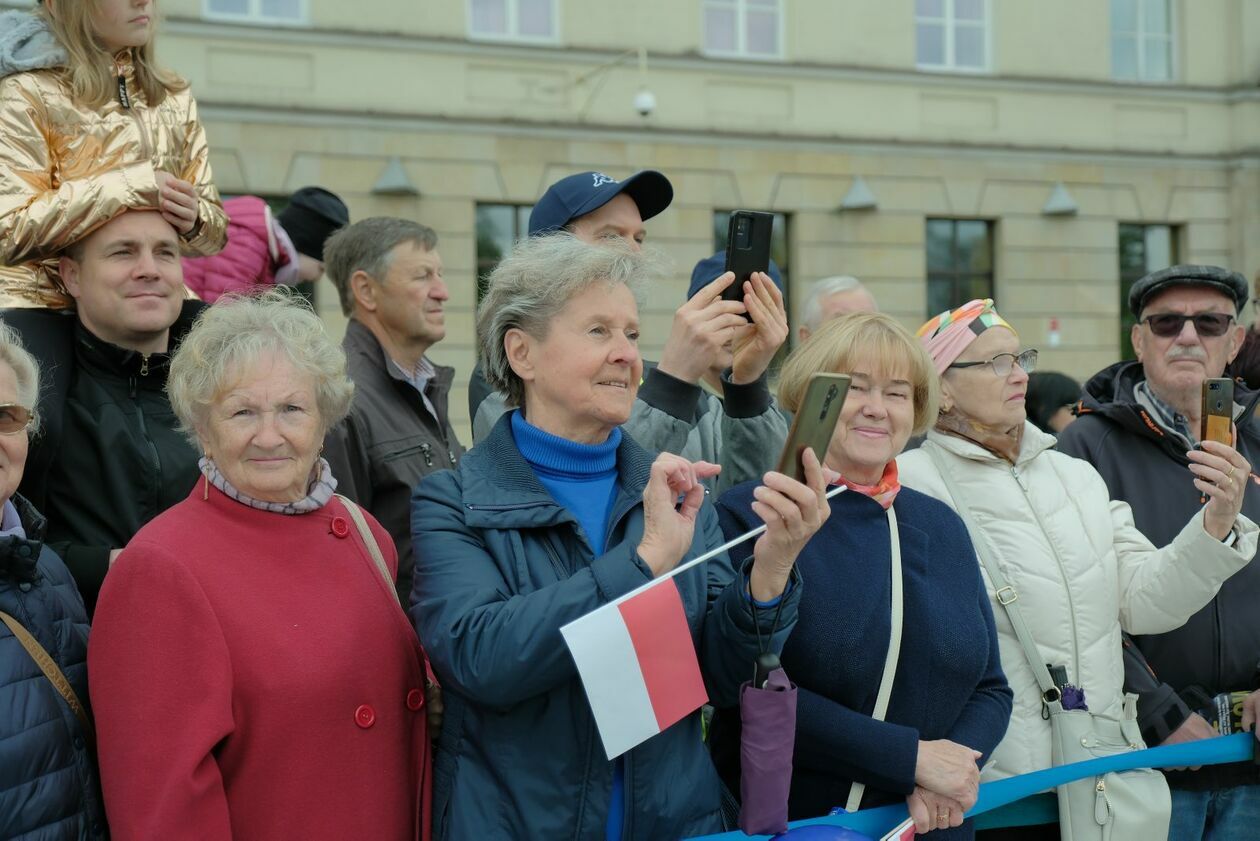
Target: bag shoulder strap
point(369, 540)
point(894, 648)
point(54, 674)
point(1003, 591)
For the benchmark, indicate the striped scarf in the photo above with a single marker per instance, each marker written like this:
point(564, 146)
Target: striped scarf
point(321, 489)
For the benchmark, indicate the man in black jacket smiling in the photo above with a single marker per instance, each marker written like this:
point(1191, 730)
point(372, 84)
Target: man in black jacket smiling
point(110, 456)
point(1137, 421)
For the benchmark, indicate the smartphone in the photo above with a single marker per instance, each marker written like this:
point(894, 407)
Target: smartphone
point(814, 423)
point(747, 249)
point(1217, 416)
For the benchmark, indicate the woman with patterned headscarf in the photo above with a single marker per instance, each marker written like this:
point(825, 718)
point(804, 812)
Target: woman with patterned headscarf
point(1074, 566)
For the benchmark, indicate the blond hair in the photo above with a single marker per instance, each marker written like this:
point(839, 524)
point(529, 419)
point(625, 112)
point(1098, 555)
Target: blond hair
point(870, 342)
point(239, 330)
point(90, 71)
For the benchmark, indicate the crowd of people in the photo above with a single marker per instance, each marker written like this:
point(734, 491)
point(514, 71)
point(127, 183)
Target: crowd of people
point(253, 586)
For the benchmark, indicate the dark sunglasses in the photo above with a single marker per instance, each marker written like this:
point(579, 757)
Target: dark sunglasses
point(1169, 324)
point(14, 418)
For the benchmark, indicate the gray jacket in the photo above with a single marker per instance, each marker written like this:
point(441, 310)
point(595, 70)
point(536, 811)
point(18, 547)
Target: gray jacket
point(744, 431)
point(389, 441)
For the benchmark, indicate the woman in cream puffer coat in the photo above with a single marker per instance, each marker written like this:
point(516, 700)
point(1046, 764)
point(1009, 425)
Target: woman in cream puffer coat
point(68, 164)
point(1080, 567)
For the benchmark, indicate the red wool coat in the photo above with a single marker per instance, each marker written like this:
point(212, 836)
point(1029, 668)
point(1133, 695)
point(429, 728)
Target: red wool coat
point(253, 677)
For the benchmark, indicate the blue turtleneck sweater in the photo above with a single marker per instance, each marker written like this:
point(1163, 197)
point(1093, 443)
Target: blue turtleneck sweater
point(583, 479)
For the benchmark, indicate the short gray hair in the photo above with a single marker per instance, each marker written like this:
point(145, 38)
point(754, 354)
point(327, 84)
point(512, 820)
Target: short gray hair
point(234, 333)
point(25, 370)
point(367, 246)
point(533, 283)
point(825, 288)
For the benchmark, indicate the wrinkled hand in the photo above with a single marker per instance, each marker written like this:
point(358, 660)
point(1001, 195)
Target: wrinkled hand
point(1251, 708)
point(933, 811)
point(948, 768)
point(435, 707)
point(668, 527)
point(1194, 728)
point(1221, 474)
point(177, 201)
point(793, 513)
point(701, 329)
point(761, 340)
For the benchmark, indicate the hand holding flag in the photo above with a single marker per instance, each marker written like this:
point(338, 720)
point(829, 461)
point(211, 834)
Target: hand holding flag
point(668, 528)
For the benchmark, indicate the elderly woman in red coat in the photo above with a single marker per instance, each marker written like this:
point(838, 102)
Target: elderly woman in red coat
point(252, 673)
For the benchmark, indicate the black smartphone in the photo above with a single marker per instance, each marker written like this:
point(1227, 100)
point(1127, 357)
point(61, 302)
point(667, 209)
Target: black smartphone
point(1217, 418)
point(747, 249)
point(814, 422)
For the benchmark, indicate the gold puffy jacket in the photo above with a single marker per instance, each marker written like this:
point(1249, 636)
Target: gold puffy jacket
point(65, 170)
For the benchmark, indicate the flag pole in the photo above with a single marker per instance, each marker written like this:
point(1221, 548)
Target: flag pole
point(712, 553)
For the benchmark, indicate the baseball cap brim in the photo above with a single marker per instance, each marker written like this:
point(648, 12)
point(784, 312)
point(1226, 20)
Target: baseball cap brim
point(650, 190)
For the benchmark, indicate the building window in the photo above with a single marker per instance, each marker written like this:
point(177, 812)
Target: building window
point(257, 11)
point(952, 35)
point(1141, 40)
point(1143, 249)
point(743, 28)
point(959, 262)
point(498, 227)
point(778, 253)
point(513, 20)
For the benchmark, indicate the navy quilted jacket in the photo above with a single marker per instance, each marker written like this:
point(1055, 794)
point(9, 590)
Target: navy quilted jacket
point(49, 789)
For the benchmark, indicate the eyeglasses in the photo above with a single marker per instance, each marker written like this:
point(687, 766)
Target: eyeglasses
point(14, 418)
point(1169, 324)
point(1004, 362)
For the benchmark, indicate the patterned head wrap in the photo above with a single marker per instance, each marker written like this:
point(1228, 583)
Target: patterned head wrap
point(947, 335)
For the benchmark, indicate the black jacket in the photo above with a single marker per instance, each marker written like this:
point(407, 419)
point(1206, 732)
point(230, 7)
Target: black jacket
point(109, 457)
point(390, 441)
point(49, 788)
point(1218, 648)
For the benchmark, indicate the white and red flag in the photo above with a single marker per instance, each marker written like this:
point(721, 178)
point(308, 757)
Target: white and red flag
point(637, 660)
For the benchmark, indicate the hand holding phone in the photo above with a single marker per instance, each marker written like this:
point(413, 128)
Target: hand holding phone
point(747, 249)
point(1217, 415)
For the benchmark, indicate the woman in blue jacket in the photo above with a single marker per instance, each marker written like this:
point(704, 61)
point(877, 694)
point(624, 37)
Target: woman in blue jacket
point(554, 514)
point(49, 789)
point(949, 702)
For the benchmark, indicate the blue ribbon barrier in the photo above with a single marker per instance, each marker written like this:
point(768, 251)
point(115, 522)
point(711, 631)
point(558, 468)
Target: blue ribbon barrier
point(877, 822)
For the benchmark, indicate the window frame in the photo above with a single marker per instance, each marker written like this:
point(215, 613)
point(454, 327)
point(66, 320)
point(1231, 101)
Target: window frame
point(512, 35)
point(1139, 36)
point(741, 32)
point(520, 230)
point(954, 273)
point(1128, 277)
point(255, 15)
point(950, 65)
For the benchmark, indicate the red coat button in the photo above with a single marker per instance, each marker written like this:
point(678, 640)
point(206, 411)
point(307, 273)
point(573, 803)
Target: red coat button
point(340, 527)
point(364, 716)
point(415, 700)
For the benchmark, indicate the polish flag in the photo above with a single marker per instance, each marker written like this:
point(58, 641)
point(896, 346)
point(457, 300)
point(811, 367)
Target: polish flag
point(638, 664)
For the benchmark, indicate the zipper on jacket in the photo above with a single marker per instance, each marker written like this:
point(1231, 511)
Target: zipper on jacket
point(561, 572)
point(124, 99)
point(144, 431)
point(144, 365)
point(1067, 583)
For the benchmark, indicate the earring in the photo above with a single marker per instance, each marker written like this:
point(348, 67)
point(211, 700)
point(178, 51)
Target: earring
point(205, 482)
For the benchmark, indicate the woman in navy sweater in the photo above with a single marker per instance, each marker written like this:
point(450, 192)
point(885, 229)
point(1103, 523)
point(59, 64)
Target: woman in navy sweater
point(949, 702)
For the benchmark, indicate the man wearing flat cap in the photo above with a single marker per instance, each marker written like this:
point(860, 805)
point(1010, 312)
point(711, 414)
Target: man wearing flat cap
point(1136, 422)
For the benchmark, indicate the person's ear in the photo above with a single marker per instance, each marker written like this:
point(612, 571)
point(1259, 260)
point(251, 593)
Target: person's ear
point(519, 347)
point(1136, 336)
point(947, 396)
point(68, 268)
point(803, 332)
point(363, 290)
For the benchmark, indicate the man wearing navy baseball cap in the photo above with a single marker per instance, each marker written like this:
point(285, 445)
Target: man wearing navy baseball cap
point(709, 335)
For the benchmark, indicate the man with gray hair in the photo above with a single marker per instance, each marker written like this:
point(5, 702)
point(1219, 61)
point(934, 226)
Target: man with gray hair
point(831, 298)
point(388, 274)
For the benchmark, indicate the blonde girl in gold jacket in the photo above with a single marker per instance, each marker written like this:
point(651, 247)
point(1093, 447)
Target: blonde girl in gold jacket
point(89, 127)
